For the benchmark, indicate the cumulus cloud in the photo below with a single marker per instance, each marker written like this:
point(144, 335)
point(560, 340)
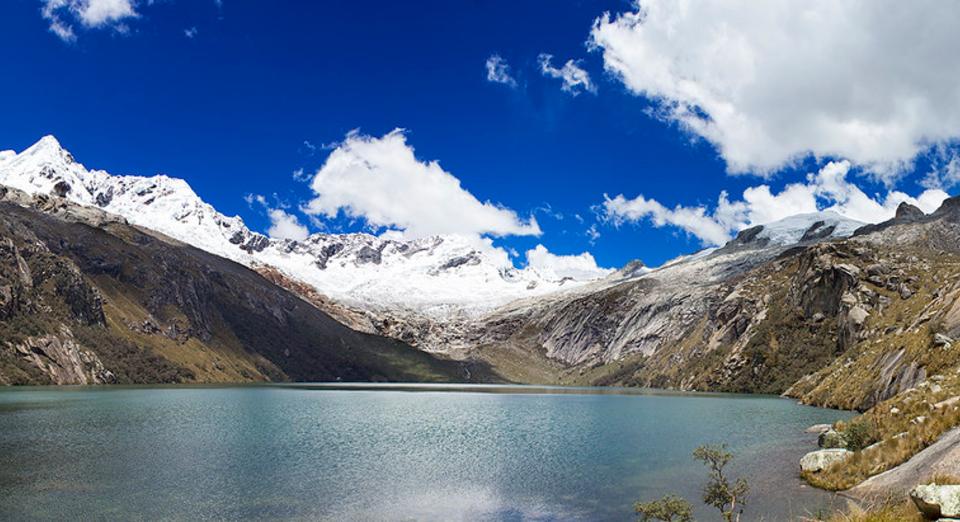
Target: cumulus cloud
point(283, 225)
point(381, 181)
point(574, 79)
point(498, 71)
point(771, 82)
point(693, 220)
point(90, 14)
point(827, 189)
point(190, 32)
point(581, 267)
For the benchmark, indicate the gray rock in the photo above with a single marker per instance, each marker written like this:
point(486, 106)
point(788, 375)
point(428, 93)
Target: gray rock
point(905, 292)
point(256, 243)
point(832, 439)
point(946, 403)
point(937, 501)
point(820, 460)
point(470, 259)
point(858, 315)
point(942, 340)
point(368, 255)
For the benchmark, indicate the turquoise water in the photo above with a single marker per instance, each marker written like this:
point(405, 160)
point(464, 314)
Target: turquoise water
point(313, 452)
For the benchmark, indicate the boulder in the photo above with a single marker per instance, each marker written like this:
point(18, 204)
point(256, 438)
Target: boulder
point(937, 501)
point(858, 315)
point(822, 459)
point(942, 340)
point(819, 428)
point(832, 439)
point(946, 403)
point(905, 292)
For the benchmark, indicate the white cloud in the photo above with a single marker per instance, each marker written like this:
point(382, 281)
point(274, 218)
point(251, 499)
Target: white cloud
point(190, 32)
point(381, 181)
point(301, 175)
point(552, 266)
point(827, 189)
point(498, 71)
point(285, 226)
point(768, 83)
point(593, 233)
point(574, 79)
point(944, 170)
point(91, 14)
point(693, 220)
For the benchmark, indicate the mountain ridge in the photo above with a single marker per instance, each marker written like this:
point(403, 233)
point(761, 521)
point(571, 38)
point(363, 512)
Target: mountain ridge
point(434, 276)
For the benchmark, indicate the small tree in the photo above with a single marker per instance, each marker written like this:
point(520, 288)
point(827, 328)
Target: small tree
point(670, 508)
point(719, 493)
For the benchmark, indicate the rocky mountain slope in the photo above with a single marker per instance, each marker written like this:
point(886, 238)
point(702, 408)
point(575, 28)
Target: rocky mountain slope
point(87, 298)
point(846, 322)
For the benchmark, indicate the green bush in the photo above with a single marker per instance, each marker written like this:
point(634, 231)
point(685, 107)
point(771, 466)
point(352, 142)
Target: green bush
point(670, 508)
point(860, 434)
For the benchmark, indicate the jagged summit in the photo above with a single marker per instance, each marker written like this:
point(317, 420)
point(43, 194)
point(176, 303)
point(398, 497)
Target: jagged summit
point(949, 207)
point(431, 275)
point(906, 211)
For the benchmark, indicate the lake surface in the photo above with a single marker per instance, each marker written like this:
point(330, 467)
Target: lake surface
point(318, 452)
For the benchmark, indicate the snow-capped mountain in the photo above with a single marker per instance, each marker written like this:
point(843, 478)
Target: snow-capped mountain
point(807, 227)
point(435, 276)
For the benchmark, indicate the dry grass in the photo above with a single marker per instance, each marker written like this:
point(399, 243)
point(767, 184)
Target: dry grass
point(903, 511)
point(896, 447)
point(942, 479)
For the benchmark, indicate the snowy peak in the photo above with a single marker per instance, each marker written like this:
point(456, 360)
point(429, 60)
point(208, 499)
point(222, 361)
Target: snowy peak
point(437, 275)
point(801, 228)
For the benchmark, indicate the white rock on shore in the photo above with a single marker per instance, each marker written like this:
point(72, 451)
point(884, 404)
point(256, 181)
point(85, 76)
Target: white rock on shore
point(822, 459)
point(819, 428)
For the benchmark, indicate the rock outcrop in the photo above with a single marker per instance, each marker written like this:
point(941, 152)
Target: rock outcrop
point(937, 502)
point(940, 458)
point(62, 360)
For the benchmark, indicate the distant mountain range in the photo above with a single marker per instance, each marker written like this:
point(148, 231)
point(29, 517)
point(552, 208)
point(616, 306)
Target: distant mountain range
point(436, 276)
point(765, 312)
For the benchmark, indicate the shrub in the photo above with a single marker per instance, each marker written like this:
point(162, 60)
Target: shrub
point(860, 434)
point(670, 508)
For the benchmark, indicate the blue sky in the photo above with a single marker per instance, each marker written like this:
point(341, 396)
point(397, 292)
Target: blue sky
point(229, 95)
